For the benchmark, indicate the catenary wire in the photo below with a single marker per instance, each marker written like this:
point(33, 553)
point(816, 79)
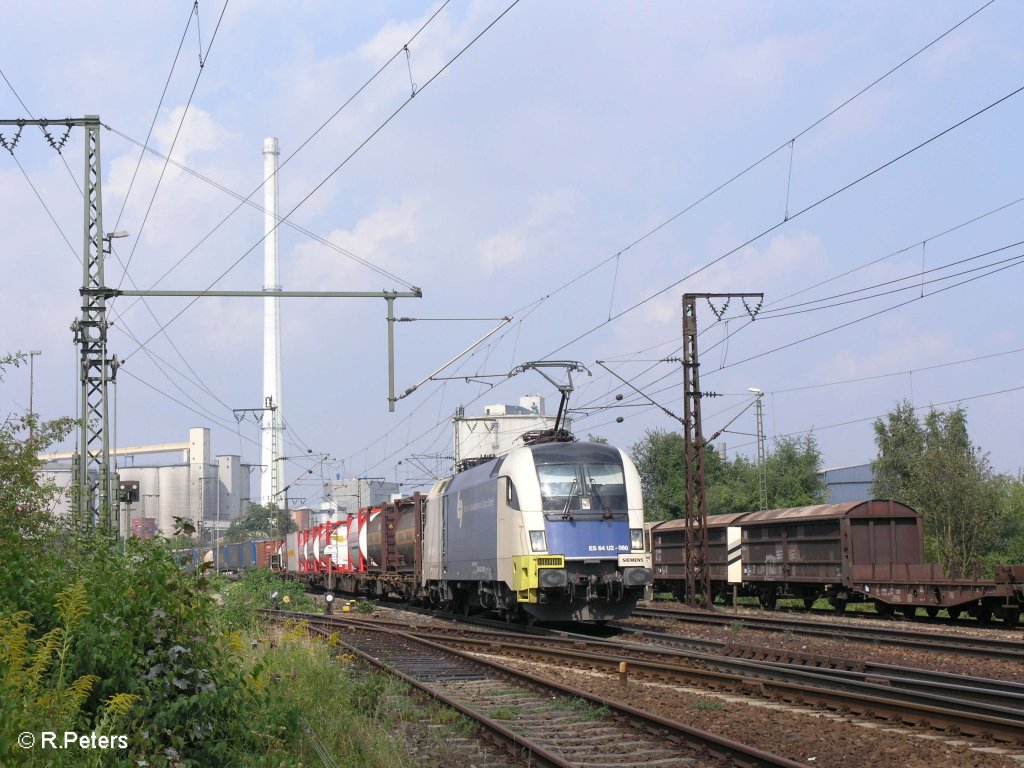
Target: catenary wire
point(339, 166)
point(283, 163)
point(799, 213)
point(174, 141)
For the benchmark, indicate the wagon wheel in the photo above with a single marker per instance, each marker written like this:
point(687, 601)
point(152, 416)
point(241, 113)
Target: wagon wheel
point(1011, 617)
point(954, 613)
point(809, 603)
point(984, 614)
point(768, 598)
point(883, 609)
point(908, 611)
point(932, 611)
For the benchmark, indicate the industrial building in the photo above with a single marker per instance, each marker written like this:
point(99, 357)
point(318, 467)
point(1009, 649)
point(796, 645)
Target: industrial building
point(847, 484)
point(210, 494)
point(500, 429)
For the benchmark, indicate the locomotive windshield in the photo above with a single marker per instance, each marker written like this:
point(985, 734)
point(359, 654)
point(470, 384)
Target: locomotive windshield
point(588, 489)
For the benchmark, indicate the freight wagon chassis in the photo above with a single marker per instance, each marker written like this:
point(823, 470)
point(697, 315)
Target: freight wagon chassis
point(981, 601)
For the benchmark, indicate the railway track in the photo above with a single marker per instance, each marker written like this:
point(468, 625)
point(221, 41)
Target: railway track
point(931, 700)
point(544, 722)
point(994, 648)
point(950, 703)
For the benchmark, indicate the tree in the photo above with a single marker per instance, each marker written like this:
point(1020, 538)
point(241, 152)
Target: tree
point(792, 467)
point(1009, 544)
point(900, 442)
point(932, 466)
point(261, 521)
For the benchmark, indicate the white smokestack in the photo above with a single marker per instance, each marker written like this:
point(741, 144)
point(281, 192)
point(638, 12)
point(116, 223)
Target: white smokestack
point(272, 420)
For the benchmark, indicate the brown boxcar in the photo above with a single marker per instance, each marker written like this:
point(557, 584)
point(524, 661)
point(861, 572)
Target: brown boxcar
point(666, 542)
point(805, 552)
point(866, 551)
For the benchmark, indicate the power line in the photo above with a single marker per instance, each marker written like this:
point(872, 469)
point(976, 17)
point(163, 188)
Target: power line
point(898, 373)
point(861, 420)
point(918, 244)
point(337, 168)
point(907, 277)
point(801, 212)
point(156, 113)
point(785, 313)
point(532, 306)
point(167, 160)
point(174, 141)
point(258, 207)
point(871, 315)
point(288, 159)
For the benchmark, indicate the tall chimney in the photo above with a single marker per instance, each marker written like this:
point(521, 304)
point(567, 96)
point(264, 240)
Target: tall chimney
point(273, 417)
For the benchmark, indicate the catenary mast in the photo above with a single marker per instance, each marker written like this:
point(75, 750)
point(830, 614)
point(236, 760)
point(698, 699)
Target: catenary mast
point(273, 415)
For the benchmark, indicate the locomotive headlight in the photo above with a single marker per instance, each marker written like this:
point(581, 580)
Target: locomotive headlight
point(636, 538)
point(553, 578)
point(538, 542)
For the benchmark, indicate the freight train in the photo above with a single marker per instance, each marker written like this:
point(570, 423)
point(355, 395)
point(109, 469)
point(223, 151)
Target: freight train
point(550, 532)
point(867, 551)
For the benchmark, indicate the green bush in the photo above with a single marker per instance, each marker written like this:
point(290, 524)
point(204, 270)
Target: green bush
point(241, 599)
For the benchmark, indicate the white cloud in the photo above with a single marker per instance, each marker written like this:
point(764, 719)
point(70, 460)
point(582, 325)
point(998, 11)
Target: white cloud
point(516, 245)
point(788, 259)
point(380, 238)
point(199, 132)
point(503, 249)
point(897, 346)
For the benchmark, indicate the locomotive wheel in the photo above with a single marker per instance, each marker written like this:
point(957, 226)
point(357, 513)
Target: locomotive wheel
point(932, 611)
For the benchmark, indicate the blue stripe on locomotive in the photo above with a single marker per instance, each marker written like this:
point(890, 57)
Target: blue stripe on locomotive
point(588, 538)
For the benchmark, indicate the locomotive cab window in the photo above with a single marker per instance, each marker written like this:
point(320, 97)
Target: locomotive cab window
point(590, 490)
point(558, 485)
point(606, 482)
point(511, 496)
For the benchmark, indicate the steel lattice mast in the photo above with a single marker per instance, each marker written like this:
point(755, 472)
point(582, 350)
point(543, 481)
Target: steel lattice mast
point(93, 469)
point(92, 494)
point(698, 575)
point(92, 481)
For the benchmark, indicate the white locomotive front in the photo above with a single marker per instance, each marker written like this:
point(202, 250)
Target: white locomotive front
point(553, 531)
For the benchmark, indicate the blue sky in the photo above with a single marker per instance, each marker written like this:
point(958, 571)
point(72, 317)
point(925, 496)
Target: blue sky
point(548, 173)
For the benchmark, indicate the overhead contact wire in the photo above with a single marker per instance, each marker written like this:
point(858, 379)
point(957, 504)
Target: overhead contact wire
point(337, 168)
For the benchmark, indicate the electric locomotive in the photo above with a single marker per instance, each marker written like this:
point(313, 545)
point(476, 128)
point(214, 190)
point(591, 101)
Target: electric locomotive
point(549, 531)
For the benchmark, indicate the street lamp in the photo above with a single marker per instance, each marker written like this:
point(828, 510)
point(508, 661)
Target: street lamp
point(31, 388)
point(762, 476)
point(114, 236)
